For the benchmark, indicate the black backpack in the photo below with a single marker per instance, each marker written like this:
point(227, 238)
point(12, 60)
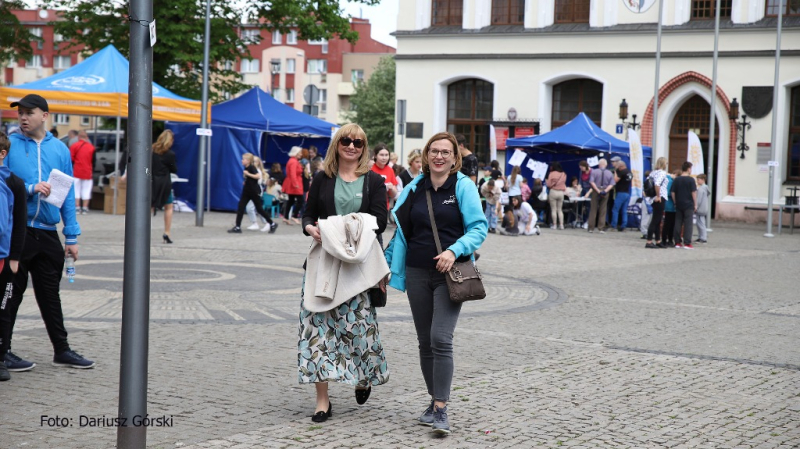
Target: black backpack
point(649, 187)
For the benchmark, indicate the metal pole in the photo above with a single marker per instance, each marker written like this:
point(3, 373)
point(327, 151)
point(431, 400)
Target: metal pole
point(658, 74)
point(712, 127)
point(201, 153)
point(117, 174)
point(136, 279)
point(774, 138)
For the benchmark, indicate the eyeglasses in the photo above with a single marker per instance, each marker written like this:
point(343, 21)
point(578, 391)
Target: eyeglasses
point(444, 153)
point(346, 141)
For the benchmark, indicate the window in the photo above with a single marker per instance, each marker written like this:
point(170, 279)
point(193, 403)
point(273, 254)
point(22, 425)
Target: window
point(792, 7)
point(572, 11)
point(470, 104)
point(35, 62)
point(325, 48)
point(249, 66)
point(36, 31)
point(61, 119)
point(275, 65)
point(508, 12)
point(62, 62)
point(291, 38)
point(317, 41)
point(707, 9)
point(277, 39)
point(574, 96)
point(317, 66)
point(289, 95)
point(356, 76)
point(86, 121)
point(276, 93)
point(251, 36)
point(793, 153)
point(323, 100)
point(290, 65)
point(447, 12)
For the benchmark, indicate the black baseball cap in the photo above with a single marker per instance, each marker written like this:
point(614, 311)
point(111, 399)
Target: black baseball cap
point(32, 101)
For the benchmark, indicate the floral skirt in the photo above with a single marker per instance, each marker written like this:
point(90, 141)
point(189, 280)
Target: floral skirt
point(341, 345)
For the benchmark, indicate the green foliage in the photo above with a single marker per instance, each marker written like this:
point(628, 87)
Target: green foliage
point(15, 40)
point(180, 27)
point(372, 103)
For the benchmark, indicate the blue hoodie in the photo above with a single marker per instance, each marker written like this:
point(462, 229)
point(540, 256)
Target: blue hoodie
point(475, 227)
point(33, 163)
point(6, 213)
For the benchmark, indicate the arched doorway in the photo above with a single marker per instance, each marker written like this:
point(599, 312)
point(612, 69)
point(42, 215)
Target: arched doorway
point(694, 115)
point(470, 103)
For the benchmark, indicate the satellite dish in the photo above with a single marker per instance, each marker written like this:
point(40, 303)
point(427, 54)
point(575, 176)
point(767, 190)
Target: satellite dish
point(43, 13)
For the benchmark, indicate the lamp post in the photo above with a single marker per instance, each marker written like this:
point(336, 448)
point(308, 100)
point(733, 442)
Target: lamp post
point(742, 127)
point(623, 115)
point(276, 68)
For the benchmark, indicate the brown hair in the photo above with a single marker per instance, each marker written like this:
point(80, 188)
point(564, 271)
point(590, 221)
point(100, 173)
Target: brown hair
point(437, 137)
point(5, 144)
point(164, 142)
point(514, 172)
point(331, 162)
point(701, 176)
point(687, 166)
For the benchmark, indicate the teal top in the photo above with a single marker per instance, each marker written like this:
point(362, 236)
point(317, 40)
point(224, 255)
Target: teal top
point(348, 195)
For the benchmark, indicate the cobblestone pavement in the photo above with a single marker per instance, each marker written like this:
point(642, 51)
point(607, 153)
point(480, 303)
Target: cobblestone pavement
point(585, 340)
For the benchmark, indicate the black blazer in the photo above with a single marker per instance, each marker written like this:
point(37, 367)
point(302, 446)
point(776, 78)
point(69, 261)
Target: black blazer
point(321, 204)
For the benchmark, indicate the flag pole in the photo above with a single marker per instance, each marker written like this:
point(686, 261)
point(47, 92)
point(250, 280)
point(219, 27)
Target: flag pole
point(774, 140)
point(658, 74)
point(713, 116)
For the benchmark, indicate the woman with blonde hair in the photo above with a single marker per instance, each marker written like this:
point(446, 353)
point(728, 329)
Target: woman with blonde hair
point(163, 165)
point(293, 186)
point(342, 344)
point(251, 191)
point(418, 266)
point(661, 181)
point(262, 183)
point(414, 167)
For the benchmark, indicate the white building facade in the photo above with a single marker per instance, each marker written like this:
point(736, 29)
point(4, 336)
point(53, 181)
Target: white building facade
point(463, 64)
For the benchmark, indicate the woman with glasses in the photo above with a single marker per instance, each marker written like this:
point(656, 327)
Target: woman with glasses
point(342, 344)
point(417, 266)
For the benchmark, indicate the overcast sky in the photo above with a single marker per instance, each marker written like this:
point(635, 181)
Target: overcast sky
point(382, 17)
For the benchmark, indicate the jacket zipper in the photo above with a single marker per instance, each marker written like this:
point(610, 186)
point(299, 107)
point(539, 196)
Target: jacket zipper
point(39, 163)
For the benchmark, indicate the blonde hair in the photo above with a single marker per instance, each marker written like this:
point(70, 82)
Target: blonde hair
point(260, 166)
point(331, 162)
point(164, 142)
point(249, 157)
point(414, 155)
point(456, 153)
point(661, 163)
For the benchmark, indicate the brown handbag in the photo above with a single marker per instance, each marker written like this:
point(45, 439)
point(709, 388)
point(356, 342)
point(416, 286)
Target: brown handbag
point(464, 281)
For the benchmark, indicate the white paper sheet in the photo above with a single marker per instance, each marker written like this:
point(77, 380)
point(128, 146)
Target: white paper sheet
point(517, 158)
point(593, 161)
point(531, 165)
point(60, 183)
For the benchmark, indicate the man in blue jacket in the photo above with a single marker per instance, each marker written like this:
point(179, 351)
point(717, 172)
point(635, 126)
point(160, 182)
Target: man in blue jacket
point(35, 153)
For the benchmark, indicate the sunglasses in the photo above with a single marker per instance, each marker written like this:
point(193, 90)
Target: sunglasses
point(346, 141)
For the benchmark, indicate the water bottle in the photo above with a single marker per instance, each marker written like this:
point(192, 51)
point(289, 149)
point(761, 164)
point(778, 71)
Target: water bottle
point(70, 265)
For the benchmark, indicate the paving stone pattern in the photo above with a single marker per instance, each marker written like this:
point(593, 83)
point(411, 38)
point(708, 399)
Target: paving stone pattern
point(585, 341)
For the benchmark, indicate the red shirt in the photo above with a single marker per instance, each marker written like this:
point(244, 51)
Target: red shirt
point(388, 176)
point(82, 155)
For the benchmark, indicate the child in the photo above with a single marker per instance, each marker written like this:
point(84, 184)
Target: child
point(251, 191)
point(491, 193)
point(509, 224)
point(703, 194)
point(251, 207)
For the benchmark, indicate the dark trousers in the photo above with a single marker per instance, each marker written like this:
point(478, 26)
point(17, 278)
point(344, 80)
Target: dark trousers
point(6, 289)
point(435, 317)
point(684, 225)
point(43, 258)
point(654, 230)
point(297, 202)
point(255, 197)
point(669, 227)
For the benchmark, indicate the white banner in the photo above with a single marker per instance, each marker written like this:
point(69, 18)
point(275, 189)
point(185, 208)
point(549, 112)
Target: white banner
point(637, 164)
point(695, 154)
point(492, 144)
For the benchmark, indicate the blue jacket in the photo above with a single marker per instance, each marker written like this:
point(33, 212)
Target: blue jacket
point(33, 163)
point(6, 213)
point(475, 226)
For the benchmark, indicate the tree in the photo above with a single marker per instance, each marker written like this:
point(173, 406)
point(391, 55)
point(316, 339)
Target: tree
point(15, 39)
point(372, 103)
point(180, 27)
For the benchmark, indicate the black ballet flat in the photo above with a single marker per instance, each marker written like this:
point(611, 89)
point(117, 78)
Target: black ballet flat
point(363, 395)
point(322, 416)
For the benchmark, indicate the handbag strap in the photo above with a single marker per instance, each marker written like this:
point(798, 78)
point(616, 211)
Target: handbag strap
point(433, 222)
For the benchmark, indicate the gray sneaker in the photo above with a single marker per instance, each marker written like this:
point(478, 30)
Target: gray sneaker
point(426, 419)
point(441, 425)
point(4, 376)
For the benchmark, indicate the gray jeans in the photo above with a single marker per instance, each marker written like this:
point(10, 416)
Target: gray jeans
point(435, 318)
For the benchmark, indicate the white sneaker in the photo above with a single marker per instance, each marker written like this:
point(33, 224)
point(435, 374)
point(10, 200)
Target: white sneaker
point(266, 227)
point(253, 227)
point(586, 226)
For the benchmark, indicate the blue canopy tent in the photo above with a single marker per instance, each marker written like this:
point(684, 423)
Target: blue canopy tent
point(569, 144)
point(252, 123)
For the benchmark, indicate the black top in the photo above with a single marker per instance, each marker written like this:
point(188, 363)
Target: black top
point(469, 165)
point(419, 232)
point(251, 184)
point(321, 203)
point(624, 184)
point(164, 164)
point(277, 176)
point(682, 187)
point(496, 174)
point(20, 214)
point(406, 178)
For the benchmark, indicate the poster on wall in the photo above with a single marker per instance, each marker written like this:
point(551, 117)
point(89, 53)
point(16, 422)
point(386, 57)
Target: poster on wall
point(638, 6)
point(524, 131)
point(501, 135)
